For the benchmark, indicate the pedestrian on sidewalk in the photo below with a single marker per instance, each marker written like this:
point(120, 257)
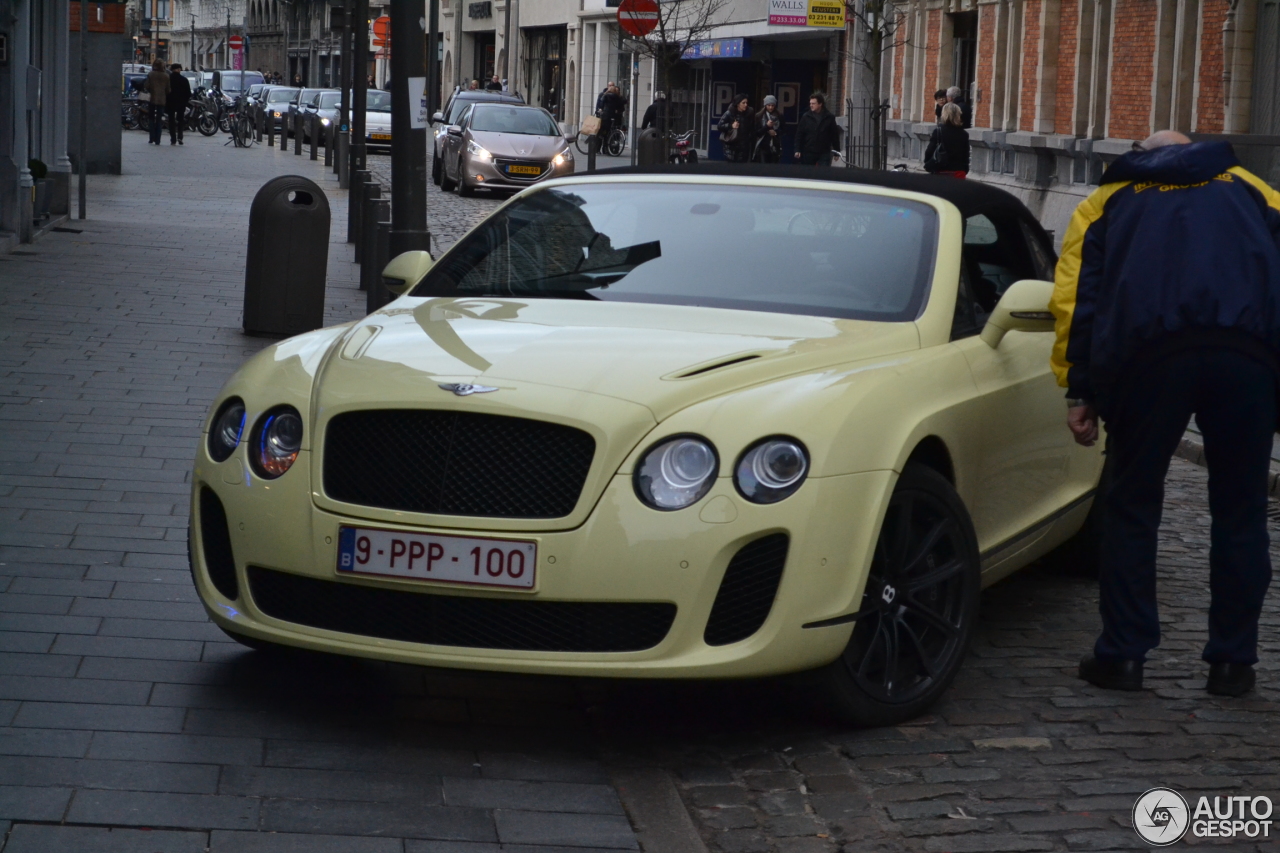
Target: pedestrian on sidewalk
point(948, 151)
point(494, 84)
point(1167, 303)
point(179, 96)
point(738, 130)
point(956, 96)
point(939, 101)
point(768, 147)
point(157, 86)
point(817, 133)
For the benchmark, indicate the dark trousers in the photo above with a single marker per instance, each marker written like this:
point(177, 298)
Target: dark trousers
point(155, 113)
point(1234, 400)
point(177, 118)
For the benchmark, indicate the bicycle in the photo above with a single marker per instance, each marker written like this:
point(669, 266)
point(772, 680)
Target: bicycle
point(612, 145)
point(240, 123)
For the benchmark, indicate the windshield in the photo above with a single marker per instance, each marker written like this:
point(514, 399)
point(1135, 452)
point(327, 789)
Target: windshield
point(529, 121)
point(817, 252)
point(282, 96)
point(378, 101)
point(330, 100)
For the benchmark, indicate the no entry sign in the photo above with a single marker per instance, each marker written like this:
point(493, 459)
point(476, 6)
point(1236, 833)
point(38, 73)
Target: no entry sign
point(638, 17)
point(235, 42)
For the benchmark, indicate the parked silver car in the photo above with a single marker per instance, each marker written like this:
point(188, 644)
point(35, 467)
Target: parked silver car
point(377, 116)
point(459, 102)
point(504, 147)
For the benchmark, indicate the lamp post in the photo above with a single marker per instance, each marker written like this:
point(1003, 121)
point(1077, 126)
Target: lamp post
point(408, 136)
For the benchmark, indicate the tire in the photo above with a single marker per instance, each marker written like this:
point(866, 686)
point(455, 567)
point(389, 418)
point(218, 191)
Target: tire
point(463, 190)
point(208, 125)
point(446, 183)
point(905, 650)
point(617, 144)
point(435, 169)
point(583, 143)
point(691, 159)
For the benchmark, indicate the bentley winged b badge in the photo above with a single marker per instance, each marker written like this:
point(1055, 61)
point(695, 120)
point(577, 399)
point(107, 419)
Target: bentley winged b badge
point(464, 389)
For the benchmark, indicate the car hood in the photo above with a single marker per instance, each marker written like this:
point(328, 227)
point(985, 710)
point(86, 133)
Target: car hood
point(519, 145)
point(380, 121)
point(661, 357)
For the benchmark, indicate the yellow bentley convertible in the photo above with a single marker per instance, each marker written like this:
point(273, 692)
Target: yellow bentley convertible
point(694, 423)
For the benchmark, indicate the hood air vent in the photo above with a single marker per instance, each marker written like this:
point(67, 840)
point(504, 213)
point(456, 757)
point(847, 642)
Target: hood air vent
point(698, 370)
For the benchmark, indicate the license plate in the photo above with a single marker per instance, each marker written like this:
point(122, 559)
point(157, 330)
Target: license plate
point(524, 170)
point(466, 560)
point(379, 136)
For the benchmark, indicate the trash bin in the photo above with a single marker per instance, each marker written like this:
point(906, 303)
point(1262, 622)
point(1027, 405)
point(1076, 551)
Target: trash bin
point(649, 148)
point(288, 258)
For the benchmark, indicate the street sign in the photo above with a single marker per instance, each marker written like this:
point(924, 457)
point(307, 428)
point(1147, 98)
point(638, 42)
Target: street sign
point(638, 17)
point(236, 43)
point(382, 31)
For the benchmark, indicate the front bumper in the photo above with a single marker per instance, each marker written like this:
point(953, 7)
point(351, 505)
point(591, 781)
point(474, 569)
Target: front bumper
point(478, 173)
point(624, 552)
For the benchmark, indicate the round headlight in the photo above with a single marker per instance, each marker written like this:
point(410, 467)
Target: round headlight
point(772, 470)
point(228, 426)
point(676, 472)
point(276, 441)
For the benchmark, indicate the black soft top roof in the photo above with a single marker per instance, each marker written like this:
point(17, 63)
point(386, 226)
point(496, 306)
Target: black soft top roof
point(971, 197)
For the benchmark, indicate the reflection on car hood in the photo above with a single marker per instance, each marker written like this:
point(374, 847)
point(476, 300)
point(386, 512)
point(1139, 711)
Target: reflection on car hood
point(519, 145)
point(660, 356)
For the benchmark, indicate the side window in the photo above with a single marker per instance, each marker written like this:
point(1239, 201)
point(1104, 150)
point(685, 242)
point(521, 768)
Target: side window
point(465, 118)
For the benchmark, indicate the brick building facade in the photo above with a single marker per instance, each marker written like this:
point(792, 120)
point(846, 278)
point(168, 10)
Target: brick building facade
point(1061, 87)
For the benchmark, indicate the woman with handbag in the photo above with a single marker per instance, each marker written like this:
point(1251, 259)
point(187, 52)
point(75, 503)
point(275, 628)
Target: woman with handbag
point(768, 147)
point(737, 130)
point(948, 151)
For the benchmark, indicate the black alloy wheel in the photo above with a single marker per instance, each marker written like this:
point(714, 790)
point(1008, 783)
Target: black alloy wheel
point(918, 607)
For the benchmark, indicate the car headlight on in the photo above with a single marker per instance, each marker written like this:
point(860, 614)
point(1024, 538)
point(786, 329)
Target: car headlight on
point(276, 114)
point(325, 122)
point(676, 472)
point(228, 427)
point(275, 443)
point(771, 470)
point(565, 156)
point(476, 151)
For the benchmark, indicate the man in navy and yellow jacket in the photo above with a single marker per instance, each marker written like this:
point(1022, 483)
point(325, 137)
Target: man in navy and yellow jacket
point(1167, 303)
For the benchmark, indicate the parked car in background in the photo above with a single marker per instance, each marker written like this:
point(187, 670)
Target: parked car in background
point(308, 105)
point(278, 100)
point(231, 83)
point(254, 91)
point(377, 119)
point(503, 147)
point(453, 110)
point(328, 104)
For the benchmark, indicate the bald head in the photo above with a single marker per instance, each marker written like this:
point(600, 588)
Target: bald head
point(1161, 138)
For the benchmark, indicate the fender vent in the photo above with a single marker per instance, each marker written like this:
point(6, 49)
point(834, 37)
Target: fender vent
point(747, 591)
point(216, 542)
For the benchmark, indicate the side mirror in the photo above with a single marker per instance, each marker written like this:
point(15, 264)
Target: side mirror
point(1023, 308)
point(437, 117)
point(405, 271)
point(453, 130)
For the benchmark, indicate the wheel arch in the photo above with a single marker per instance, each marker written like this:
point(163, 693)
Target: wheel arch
point(932, 452)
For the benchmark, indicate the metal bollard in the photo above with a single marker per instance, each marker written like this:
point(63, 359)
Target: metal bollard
point(354, 194)
point(271, 130)
point(593, 145)
point(369, 234)
point(284, 131)
point(257, 123)
point(368, 192)
point(376, 294)
point(328, 146)
point(342, 161)
point(312, 124)
point(297, 134)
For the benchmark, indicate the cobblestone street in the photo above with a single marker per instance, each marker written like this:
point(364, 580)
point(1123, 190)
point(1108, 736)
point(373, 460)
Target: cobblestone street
point(129, 722)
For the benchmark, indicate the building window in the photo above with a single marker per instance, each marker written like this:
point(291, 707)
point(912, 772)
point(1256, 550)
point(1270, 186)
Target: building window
point(544, 68)
point(965, 56)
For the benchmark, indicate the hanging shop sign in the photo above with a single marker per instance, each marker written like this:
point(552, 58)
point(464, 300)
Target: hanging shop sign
point(718, 49)
point(480, 10)
point(807, 13)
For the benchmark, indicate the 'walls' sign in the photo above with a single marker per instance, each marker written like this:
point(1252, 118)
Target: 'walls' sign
point(807, 13)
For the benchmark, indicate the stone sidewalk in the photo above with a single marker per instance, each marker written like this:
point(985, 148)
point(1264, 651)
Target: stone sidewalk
point(122, 709)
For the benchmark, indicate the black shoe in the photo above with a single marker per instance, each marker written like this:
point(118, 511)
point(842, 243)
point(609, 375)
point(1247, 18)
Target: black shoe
point(179, 141)
point(1230, 679)
point(173, 142)
point(1112, 674)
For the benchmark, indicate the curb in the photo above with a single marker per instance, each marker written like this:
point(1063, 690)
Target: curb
point(1191, 448)
point(657, 814)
